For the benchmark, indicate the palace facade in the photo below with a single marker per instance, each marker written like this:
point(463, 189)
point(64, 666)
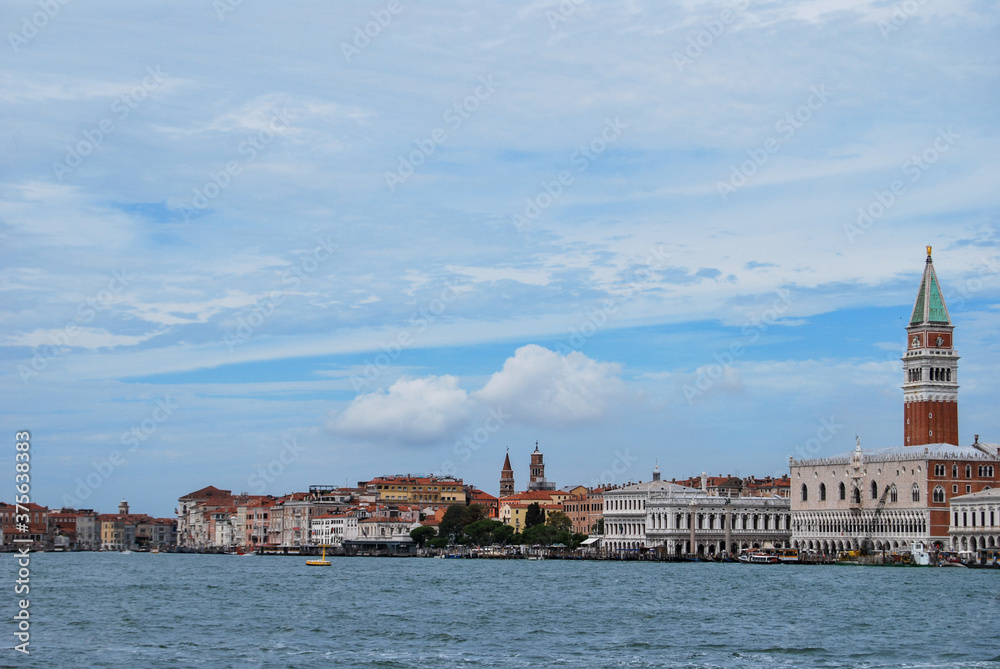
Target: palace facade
point(683, 521)
point(885, 498)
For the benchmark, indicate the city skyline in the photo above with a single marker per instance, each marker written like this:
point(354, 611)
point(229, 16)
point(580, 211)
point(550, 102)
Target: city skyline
point(628, 233)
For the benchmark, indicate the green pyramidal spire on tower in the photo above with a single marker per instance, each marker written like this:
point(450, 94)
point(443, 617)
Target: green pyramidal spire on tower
point(930, 307)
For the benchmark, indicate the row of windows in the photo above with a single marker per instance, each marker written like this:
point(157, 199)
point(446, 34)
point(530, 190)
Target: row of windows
point(582, 507)
point(884, 525)
point(624, 505)
point(983, 471)
point(937, 495)
point(856, 492)
point(935, 374)
point(966, 515)
point(430, 488)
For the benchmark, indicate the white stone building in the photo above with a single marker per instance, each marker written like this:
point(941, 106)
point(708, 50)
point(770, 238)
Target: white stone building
point(975, 520)
point(334, 529)
point(683, 521)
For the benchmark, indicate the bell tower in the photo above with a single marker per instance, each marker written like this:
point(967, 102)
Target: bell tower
point(536, 479)
point(506, 477)
point(930, 368)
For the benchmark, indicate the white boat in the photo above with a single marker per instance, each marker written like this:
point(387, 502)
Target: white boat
point(759, 558)
point(921, 557)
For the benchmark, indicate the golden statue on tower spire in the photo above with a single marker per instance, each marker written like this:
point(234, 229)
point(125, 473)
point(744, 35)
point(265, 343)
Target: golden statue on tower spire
point(928, 251)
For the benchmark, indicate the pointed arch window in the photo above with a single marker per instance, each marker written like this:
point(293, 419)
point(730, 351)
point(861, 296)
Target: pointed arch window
point(893, 494)
point(822, 492)
point(856, 495)
point(938, 494)
point(916, 493)
point(874, 490)
point(843, 491)
point(805, 493)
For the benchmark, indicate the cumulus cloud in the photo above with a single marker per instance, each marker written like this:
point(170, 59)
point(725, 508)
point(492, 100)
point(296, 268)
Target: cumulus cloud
point(541, 387)
point(412, 410)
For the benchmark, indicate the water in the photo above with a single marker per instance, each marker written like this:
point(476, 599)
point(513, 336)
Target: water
point(142, 610)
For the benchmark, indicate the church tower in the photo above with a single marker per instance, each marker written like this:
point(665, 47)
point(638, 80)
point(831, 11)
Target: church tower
point(930, 368)
point(537, 466)
point(506, 478)
point(536, 480)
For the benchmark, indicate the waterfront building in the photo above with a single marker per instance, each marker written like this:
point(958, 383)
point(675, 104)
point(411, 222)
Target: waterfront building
point(385, 529)
point(409, 489)
point(887, 498)
point(585, 507)
point(158, 533)
point(257, 513)
point(117, 532)
point(39, 530)
point(333, 529)
point(193, 516)
point(80, 527)
point(514, 508)
point(682, 520)
point(292, 518)
point(975, 519)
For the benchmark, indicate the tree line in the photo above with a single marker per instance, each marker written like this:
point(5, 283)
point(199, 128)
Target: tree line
point(471, 526)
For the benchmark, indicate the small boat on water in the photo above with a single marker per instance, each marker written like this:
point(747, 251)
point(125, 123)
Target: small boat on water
point(322, 562)
point(759, 558)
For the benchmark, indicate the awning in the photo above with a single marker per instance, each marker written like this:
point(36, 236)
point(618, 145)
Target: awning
point(590, 541)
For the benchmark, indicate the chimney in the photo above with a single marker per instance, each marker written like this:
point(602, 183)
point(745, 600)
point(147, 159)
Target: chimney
point(704, 481)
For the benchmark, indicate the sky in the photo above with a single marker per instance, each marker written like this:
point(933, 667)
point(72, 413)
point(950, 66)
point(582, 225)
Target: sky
point(264, 246)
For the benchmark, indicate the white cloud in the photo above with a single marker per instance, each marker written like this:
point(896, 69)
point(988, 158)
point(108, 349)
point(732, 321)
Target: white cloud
point(413, 410)
point(541, 387)
point(76, 337)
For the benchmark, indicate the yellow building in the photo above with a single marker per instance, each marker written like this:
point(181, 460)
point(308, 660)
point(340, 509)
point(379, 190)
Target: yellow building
point(427, 490)
point(514, 507)
point(112, 533)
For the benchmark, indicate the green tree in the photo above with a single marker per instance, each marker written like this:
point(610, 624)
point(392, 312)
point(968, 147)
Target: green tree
point(503, 535)
point(422, 534)
point(533, 515)
point(474, 513)
point(559, 521)
point(599, 526)
point(541, 534)
point(576, 539)
point(453, 522)
point(480, 532)
point(438, 542)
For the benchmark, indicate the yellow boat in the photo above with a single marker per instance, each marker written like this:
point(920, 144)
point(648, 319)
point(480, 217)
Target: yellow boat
point(321, 562)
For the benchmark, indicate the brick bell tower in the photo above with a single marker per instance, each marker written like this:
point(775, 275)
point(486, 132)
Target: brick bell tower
point(930, 368)
point(506, 477)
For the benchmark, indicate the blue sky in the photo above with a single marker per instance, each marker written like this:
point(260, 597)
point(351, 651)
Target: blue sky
point(248, 245)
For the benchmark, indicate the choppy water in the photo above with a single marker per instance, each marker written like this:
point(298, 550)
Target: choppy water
point(142, 610)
